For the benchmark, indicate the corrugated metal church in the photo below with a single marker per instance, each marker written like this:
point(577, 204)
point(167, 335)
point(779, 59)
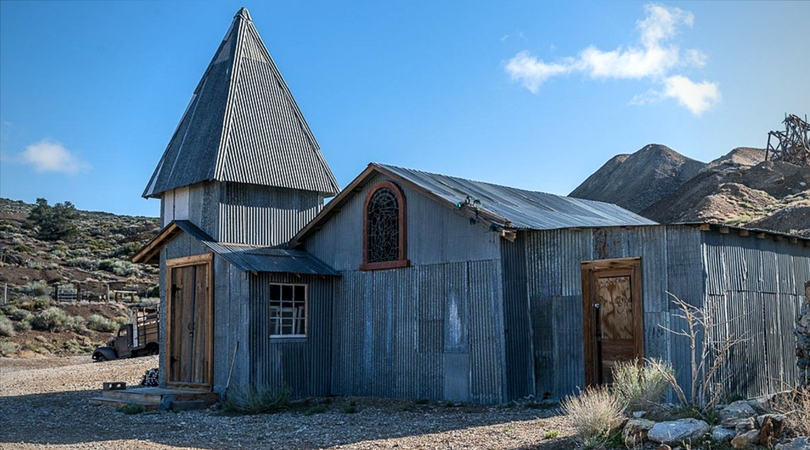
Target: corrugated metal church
point(420, 285)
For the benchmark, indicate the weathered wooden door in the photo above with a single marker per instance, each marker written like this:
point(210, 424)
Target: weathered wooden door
point(613, 316)
point(189, 322)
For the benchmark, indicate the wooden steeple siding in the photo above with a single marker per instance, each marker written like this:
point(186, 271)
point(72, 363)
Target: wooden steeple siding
point(243, 125)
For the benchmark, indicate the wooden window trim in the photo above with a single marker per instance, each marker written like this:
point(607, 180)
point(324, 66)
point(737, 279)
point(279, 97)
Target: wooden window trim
point(402, 259)
point(293, 337)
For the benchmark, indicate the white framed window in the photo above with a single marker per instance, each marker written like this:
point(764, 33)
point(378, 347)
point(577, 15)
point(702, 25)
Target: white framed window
point(288, 310)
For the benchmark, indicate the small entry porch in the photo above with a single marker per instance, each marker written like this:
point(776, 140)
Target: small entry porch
point(153, 398)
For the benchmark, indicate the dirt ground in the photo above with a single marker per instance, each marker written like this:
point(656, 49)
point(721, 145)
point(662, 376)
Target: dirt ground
point(45, 404)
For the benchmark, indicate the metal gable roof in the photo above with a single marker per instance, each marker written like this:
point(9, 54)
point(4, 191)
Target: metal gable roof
point(243, 125)
point(503, 208)
point(522, 209)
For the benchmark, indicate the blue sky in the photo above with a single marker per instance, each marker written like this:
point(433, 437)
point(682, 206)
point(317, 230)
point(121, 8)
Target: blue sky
point(536, 95)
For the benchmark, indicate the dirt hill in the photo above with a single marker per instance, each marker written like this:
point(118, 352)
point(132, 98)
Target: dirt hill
point(93, 265)
point(638, 180)
point(739, 188)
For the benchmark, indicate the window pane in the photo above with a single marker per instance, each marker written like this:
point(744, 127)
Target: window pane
point(382, 227)
point(287, 309)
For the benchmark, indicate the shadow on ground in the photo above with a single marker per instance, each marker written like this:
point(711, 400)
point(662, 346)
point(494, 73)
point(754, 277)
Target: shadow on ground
point(67, 418)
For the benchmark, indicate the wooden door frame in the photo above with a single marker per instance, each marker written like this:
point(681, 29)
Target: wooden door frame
point(206, 259)
point(619, 266)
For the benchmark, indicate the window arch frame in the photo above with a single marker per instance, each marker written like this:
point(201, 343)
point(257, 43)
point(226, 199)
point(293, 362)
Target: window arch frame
point(402, 232)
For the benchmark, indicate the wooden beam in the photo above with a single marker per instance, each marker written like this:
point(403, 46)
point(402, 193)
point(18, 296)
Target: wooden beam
point(723, 230)
point(704, 227)
point(794, 240)
point(760, 235)
point(778, 237)
point(744, 233)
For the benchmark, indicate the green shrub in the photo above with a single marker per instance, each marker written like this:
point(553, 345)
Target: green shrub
point(639, 385)
point(118, 267)
point(74, 323)
point(7, 348)
point(6, 327)
point(23, 325)
point(8, 309)
point(253, 400)
point(51, 319)
point(82, 262)
point(53, 222)
point(594, 413)
point(351, 408)
point(131, 408)
point(42, 302)
point(121, 320)
point(36, 288)
point(22, 248)
point(101, 323)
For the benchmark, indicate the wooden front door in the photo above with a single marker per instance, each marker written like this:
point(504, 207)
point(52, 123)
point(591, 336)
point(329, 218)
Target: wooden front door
point(613, 316)
point(189, 322)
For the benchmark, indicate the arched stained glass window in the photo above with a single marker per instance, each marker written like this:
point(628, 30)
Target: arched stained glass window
point(384, 228)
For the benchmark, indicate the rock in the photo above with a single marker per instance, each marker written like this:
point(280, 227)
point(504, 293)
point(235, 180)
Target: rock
point(721, 434)
point(770, 427)
point(760, 404)
point(745, 440)
point(799, 443)
point(663, 447)
point(741, 425)
point(639, 414)
point(678, 431)
point(635, 431)
point(737, 410)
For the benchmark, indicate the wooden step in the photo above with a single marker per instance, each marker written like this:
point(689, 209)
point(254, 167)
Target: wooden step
point(117, 403)
point(151, 398)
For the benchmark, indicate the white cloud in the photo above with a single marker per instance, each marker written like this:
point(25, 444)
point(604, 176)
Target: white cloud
point(652, 58)
point(531, 72)
point(50, 156)
point(697, 97)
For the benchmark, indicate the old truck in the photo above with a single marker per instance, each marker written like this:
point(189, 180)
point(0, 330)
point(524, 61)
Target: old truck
point(137, 338)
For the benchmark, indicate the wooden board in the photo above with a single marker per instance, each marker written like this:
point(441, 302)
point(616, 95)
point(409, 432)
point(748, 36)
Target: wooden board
point(189, 320)
point(613, 316)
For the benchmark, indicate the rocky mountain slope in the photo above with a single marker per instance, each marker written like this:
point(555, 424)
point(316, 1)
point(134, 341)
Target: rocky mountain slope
point(93, 265)
point(739, 188)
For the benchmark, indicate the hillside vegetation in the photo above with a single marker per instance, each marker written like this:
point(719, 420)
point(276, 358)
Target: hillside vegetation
point(92, 261)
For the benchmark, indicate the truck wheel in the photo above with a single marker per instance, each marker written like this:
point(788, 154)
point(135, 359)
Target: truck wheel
point(152, 350)
point(99, 357)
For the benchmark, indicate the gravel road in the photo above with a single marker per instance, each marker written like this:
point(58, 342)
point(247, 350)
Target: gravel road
point(45, 404)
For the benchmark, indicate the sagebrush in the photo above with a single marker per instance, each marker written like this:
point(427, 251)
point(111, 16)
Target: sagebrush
point(639, 384)
point(594, 413)
point(255, 400)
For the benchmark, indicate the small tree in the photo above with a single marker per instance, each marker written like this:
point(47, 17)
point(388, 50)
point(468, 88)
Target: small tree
point(53, 222)
point(707, 356)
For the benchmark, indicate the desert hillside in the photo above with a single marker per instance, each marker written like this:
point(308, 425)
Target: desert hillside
point(86, 270)
point(739, 188)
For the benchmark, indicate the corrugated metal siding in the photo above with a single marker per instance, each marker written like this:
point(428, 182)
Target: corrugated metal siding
point(303, 365)
point(430, 331)
point(517, 322)
point(670, 261)
point(260, 215)
point(243, 125)
point(436, 233)
point(525, 209)
point(756, 288)
point(231, 313)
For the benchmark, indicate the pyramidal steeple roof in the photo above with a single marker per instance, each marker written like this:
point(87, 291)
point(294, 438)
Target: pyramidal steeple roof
point(243, 125)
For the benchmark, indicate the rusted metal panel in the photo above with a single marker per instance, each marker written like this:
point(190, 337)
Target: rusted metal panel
point(242, 120)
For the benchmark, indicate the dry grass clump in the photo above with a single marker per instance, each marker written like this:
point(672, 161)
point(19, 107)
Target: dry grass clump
point(795, 406)
point(641, 384)
point(256, 400)
point(6, 327)
point(594, 413)
point(100, 323)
